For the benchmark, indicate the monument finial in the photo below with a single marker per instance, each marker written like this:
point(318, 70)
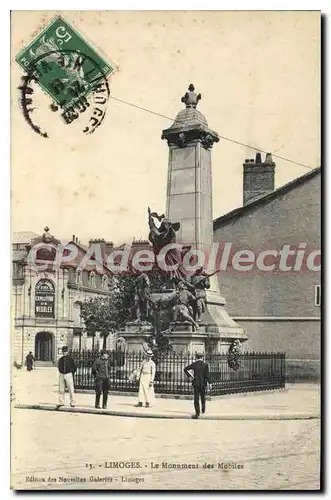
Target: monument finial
point(47, 237)
point(191, 99)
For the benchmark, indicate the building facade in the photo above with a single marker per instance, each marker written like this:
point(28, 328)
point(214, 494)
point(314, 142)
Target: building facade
point(273, 293)
point(47, 300)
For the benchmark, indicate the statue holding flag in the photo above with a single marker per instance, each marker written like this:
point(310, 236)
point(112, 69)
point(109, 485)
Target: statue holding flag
point(162, 236)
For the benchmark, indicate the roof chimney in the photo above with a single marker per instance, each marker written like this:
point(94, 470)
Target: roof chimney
point(109, 247)
point(258, 158)
point(268, 159)
point(258, 178)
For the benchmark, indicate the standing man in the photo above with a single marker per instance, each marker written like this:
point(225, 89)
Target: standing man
point(29, 361)
point(100, 371)
point(67, 368)
point(200, 380)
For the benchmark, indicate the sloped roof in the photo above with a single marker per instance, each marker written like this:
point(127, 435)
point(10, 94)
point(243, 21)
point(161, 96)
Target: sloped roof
point(240, 211)
point(78, 245)
point(84, 249)
point(22, 237)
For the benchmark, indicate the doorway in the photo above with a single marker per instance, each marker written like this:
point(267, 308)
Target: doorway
point(44, 346)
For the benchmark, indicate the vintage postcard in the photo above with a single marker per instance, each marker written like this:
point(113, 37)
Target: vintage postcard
point(166, 250)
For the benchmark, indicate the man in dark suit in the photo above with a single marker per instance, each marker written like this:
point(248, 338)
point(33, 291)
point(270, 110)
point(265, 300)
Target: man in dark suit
point(101, 372)
point(200, 380)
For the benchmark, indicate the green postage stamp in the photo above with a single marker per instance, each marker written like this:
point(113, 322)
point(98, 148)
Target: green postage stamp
point(63, 63)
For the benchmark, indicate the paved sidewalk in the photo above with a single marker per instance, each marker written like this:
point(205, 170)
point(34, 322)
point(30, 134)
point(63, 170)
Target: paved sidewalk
point(38, 390)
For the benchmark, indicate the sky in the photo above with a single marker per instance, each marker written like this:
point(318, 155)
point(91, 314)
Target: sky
point(259, 76)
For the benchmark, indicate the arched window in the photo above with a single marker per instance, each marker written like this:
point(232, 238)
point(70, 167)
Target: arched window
point(45, 299)
point(45, 254)
point(79, 276)
point(91, 279)
point(105, 282)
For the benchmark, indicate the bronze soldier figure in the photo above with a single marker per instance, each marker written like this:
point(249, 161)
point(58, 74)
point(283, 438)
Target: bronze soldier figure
point(200, 283)
point(182, 309)
point(142, 296)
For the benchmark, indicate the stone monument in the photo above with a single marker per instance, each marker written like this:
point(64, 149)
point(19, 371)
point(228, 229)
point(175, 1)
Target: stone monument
point(189, 201)
point(189, 221)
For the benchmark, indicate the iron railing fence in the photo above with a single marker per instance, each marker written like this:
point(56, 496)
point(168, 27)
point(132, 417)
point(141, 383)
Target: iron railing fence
point(255, 372)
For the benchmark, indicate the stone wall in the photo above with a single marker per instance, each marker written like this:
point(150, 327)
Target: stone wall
point(289, 219)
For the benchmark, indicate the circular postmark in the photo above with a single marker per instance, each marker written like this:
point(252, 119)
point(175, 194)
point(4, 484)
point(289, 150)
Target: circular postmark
point(76, 98)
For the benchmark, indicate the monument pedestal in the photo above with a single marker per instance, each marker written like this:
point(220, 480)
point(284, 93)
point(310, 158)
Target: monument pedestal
point(184, 339)
point(216, 317)
point(135, 335)
point(208, 339)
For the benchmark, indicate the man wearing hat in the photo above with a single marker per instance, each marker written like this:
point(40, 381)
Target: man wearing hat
point(146, 382)
point(200, 379)
point(67, 368)
point(101, 372)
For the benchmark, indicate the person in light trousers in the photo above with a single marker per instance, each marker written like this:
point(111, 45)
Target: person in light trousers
point(67, 368)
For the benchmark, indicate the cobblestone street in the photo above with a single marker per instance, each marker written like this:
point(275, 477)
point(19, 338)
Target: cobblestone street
point(63, 450)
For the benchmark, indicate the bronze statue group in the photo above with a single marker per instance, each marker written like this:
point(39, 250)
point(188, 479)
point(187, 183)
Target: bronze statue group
point(187, 300)
point(184, 302)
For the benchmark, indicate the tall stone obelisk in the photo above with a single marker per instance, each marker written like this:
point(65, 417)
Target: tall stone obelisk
point(189, 190)
point(189, 201)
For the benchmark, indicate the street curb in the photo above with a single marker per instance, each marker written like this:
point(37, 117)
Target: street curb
point(116, 413)
point(189, 397)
